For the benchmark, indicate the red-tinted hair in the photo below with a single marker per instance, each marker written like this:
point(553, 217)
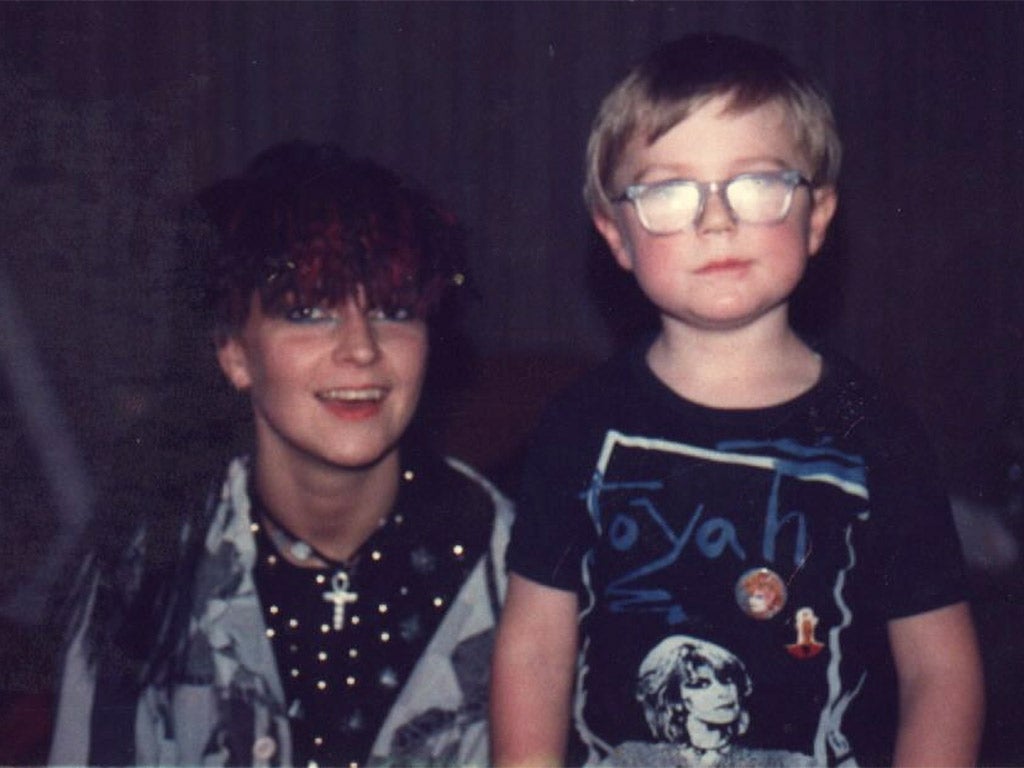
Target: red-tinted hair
point(306, 225)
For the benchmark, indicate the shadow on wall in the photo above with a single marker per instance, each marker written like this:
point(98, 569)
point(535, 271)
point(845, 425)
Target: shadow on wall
point(490, 423)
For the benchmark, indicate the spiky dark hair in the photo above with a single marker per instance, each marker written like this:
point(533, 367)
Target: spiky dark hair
point(306, 225)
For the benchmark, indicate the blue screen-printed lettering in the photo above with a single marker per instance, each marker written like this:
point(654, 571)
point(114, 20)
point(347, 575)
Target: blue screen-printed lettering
point(669, 513)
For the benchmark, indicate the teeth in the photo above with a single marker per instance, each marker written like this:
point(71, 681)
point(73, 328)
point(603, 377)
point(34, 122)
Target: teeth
point(352, 395)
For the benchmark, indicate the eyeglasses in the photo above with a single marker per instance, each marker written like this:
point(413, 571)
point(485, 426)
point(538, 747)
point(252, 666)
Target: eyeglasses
point(668, 207)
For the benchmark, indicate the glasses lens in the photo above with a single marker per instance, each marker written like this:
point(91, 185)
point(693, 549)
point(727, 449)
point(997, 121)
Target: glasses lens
point(670, 207)
point(759, 198)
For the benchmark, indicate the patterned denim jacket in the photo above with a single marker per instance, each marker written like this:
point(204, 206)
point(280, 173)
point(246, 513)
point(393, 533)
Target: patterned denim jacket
point(240, 717)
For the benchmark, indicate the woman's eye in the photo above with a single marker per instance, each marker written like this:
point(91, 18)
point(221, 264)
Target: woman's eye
point(307, 315)
point(397, 314)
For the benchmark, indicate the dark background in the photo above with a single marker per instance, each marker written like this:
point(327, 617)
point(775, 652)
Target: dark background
point(111, 113)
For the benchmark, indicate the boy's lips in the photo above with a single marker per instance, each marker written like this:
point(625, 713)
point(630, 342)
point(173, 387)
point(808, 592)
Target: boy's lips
point(723, 265)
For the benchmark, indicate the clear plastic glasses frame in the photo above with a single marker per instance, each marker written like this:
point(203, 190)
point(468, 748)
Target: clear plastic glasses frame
point(668, 207)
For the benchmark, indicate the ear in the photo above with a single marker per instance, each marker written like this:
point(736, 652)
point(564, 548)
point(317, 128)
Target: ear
point(234, 362)
point(824, 201)
point(617, 243)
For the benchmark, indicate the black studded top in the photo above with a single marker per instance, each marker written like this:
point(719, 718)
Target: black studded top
point(341, 677)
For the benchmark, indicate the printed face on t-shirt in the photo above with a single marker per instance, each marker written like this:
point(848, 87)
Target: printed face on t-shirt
point(711, 696)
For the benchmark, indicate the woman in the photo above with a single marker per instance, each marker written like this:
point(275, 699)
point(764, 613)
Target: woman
point(332, 601)
point(694, 696)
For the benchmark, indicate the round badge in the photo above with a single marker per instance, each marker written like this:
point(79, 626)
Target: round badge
point(264, 748)
point(760, 593)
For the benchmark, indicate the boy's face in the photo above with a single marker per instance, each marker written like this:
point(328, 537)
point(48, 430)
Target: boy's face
point(718, 273)
point(329, 387)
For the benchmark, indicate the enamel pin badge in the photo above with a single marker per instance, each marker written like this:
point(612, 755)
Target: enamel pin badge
point(806, 644)
point(760, 593)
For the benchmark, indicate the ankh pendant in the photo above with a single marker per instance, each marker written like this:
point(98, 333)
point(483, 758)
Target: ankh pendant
point(339, 596)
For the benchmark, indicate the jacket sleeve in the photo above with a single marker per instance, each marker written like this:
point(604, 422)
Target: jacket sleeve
point(440, 718)
point(70, 744)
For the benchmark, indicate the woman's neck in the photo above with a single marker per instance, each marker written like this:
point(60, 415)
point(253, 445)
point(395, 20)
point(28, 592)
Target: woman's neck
point(333, 510)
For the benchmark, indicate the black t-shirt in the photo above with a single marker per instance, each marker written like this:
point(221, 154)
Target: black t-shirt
point(736, 568)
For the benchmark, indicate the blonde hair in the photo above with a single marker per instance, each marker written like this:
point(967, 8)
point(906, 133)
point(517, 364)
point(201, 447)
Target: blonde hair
point(675, 662)
point(681, 76)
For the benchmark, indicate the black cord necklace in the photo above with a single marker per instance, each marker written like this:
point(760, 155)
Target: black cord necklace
point(338, 595)
point(300, 549)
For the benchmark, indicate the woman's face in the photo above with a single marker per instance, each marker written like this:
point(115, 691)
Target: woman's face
point(710, 697)
point(330, 387)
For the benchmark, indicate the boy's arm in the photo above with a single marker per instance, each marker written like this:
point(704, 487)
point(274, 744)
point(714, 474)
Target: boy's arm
point(532, 675)
point(941, 694)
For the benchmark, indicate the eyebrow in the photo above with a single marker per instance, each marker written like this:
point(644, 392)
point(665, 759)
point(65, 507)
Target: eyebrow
point(741, 166)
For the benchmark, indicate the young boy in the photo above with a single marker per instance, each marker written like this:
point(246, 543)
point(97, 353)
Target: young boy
point(332, 601)
point(724, 490)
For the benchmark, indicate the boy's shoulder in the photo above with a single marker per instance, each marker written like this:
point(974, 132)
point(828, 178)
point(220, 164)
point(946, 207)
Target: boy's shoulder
point(573, 421)
point(858, 403)
point(846, 401)
point(845, 388)
point(850, 387)
point(606, 382)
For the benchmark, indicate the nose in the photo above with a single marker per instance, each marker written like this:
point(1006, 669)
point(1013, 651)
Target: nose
point(715, 214)
point(355, 337)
